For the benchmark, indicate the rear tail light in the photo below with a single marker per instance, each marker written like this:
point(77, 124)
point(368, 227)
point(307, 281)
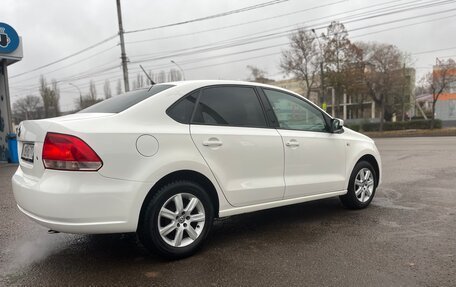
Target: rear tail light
point(66, 152)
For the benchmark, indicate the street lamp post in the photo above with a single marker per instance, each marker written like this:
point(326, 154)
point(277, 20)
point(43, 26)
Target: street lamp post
point(180, 68)
point(80, 94)
point(322, 76)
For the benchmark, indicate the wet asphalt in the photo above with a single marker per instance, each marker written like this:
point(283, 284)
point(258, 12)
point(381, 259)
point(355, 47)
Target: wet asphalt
point(407, 237)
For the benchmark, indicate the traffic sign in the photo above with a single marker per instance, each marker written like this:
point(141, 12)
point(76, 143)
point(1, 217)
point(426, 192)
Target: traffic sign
point(9, 40)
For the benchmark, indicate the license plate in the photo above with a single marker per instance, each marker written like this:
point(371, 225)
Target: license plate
point(27, 152)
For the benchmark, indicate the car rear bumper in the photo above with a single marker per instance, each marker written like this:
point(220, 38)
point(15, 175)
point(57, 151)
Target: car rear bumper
point(79, 202)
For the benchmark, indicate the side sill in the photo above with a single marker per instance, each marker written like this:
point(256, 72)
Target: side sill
point(278, 203)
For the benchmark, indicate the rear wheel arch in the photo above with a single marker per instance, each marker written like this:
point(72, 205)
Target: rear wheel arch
point(188, 175)
point(371, 159)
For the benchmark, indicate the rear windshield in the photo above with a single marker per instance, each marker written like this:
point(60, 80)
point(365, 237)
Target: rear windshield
point(122, 102)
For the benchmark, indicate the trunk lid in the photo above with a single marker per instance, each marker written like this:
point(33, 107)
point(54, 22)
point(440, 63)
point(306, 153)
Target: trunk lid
point(30, 139)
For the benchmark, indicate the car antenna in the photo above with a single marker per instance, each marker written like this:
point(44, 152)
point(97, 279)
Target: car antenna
point(147, 75)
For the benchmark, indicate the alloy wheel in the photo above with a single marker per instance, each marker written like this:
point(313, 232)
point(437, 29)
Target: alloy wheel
point(181, 220)
point(364, 185)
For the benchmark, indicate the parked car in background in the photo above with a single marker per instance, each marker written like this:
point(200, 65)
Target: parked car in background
point(166, 160)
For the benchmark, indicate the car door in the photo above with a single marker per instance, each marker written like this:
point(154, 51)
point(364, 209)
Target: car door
point(230, 130)
point(314, 157)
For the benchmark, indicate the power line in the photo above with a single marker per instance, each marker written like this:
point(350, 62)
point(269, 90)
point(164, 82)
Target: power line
point(403, 26)
point(237, 44)
point(274, 29)
point(257, 6)
point(229, 62)
point(74, 63)
point(448, 56)
point(253, 38)
point(79, 76)
point(278, 45)
point(287, 14)
point(103, 72)
point(77, 53)
point(436, 50)
point(235, 25)
point(363, 8)
point(236, 11)
point(65, 58)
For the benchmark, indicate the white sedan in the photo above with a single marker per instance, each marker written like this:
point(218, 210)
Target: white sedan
point(166, 160)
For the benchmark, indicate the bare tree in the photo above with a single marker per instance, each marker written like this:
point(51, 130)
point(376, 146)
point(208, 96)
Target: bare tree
point(301, 59)
point(160, 77)
point(92, 91)
point(56, 98)
point(119, 87)
point(258, 75)
point(151, 76)
point(174, 75)
point(107, 89)
point(88, 99)
point(343, 60)
point(138, 82)
point(51, 98)
point(28, 108)
point(439, 81)
point(45, 95)
point(383, 62)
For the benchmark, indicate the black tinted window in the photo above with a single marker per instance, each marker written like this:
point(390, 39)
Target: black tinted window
point(230, 106)
point(122, 102)
point(182, 110)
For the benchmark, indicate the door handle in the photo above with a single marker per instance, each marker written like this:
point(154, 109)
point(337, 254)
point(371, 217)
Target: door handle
point(212, 142)
point(292, 143)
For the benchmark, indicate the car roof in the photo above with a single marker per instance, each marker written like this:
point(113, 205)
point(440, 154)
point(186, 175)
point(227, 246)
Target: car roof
point(202, 83)
point(195, 84)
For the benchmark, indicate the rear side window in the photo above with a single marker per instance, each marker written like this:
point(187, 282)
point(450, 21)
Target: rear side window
point(122, 102)
point(182, 110)
point(230, 106)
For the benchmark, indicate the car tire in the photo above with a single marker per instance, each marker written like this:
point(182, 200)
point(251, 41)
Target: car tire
point(361, 187)
point(176, 230)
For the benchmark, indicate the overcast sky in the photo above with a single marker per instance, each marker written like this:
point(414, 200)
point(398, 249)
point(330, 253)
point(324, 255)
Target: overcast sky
point(52, 30)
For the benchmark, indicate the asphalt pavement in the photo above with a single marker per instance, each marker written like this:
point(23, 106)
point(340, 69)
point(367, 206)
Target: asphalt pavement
point(407, 237)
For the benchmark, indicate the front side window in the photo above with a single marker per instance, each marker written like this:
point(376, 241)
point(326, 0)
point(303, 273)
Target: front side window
point(229, 106)
point(294, 113)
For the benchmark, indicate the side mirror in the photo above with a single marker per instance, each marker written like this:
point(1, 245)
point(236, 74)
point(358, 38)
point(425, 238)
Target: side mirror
point(337, 125)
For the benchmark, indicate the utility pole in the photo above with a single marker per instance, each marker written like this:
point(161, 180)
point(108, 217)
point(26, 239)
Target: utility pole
point(122, 48)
